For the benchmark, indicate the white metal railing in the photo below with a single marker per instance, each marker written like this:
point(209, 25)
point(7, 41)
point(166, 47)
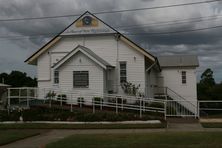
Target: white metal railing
point(190, 105)
point(175, 109)
point(26, 96)
point(118, 102)
point(210, 108)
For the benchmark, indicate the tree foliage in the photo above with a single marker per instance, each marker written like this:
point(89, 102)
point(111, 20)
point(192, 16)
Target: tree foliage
point(207, 89)
point(18, 79)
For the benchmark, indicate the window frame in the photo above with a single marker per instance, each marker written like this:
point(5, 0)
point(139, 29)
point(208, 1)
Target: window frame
point(121, 71)
point(80, 74)
point(56, 77)
point(184, 77)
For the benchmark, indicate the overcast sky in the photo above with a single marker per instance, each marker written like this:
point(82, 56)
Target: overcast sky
point(206, 44)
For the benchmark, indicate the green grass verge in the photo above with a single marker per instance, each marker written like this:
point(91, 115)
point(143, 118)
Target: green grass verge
point(211, 125)
point(151, 140)
point(8, 136)
point(79, 126)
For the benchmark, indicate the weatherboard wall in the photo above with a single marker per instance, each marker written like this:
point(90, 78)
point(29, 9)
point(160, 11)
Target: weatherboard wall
point(80, 62)
point(107, 47)
point(173, 80)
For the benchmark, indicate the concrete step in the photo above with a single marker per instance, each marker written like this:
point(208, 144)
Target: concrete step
point(183, 120)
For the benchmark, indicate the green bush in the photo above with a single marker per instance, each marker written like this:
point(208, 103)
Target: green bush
point(12, 116)
point(80, 100)
point(62, 97)
point(156, 105)
point(119, 100)
point(54, 114)
point(98, 100)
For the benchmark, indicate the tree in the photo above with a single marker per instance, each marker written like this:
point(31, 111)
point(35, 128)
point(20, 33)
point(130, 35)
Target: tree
point(207, 78)
point(18, 79)
point(206, 87)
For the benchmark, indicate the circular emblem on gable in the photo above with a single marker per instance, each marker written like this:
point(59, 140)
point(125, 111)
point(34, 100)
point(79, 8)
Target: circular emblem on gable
point(87, 20)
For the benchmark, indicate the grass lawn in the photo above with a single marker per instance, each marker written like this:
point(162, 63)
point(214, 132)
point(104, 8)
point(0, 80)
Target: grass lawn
point(212, 125)
point(79, 126)
point(151, 140)
point(8, 136)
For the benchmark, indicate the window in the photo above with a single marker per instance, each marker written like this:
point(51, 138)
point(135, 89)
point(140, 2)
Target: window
point(56, 77)
point(123, 72)
point(80, 79)
point(184, 77)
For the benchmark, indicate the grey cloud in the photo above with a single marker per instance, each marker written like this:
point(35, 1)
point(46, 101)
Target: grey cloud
point(206, 44)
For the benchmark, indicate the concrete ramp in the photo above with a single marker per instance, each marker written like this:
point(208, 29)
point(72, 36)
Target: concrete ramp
point(184, 124)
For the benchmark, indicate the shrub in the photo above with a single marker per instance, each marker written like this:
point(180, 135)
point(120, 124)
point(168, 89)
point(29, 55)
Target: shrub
point(119, 100)
point(130, 89)
point(112, 100)
point(55, 114)
point(12, 116)
point(156, 105)
point(80, 100)
point(50, 95)
point(62, 97)
point(98, 100)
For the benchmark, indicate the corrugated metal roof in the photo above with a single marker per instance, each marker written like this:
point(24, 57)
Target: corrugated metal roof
point(178, 61)
point(4, 85)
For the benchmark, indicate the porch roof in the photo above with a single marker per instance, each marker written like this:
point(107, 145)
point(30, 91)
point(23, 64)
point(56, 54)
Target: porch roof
point(89, 53)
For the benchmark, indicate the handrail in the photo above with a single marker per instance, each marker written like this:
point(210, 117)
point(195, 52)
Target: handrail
point(72, 98)
point(179, 96)
point(166, 89)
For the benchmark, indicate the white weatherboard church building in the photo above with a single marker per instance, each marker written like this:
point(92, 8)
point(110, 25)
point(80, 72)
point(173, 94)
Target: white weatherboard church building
point(89, 56)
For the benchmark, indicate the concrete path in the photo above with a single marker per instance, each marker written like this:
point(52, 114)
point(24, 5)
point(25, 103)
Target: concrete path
point(41, 140)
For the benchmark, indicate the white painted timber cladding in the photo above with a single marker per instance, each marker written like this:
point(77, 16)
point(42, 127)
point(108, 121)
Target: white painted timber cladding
point(74, 64)
point(135, 64)
point(43, 67)
point(107, 47)
point(56, 52)
point(103, 46)
point(172, 79)
point(67, 44)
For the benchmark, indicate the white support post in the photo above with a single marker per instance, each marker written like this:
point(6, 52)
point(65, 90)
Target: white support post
point(61, 97)
point(198, 109)
point(27, 97)
point(50, 103)
point(44, 95)
point(9, 93)
point(116, 104)
point(143, 104)
point(122, 103)
point(93, 105)
point(80, 102)
point(71, 103)
point(140, 107)
point(19, 95)
point(101, 104)
point(165, 109)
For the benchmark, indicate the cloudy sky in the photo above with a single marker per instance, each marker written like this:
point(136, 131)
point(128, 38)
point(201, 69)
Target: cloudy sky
point(207, 44)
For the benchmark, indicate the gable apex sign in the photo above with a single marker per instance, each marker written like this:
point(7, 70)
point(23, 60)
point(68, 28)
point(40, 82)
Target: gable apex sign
point(88, 24)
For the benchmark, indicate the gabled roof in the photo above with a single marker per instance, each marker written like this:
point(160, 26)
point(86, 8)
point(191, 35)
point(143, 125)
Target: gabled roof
point(86, 51)
point(178, 61)
point(32, 59)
